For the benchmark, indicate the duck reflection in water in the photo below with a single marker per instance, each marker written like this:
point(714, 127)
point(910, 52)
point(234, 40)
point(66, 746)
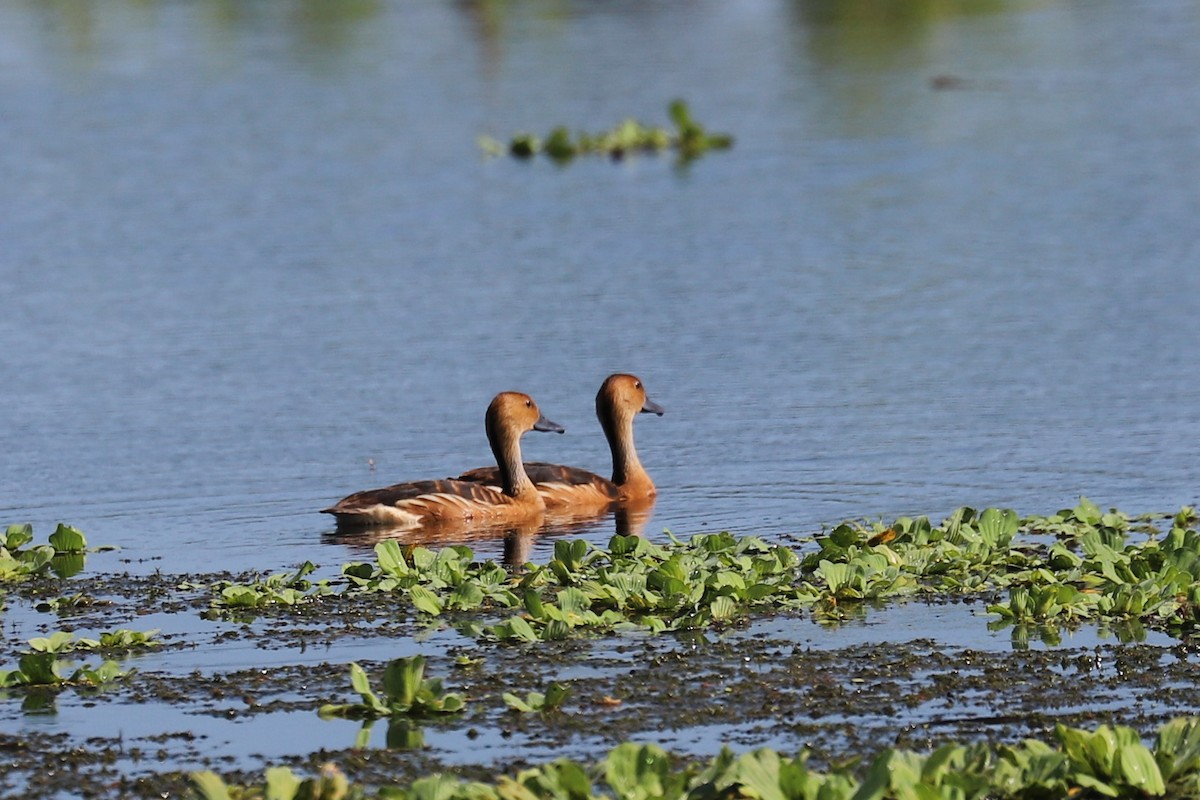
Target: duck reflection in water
point(517, 541)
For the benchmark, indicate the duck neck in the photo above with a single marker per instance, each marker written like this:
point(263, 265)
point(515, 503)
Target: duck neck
point(627, 469)
point(507, 449)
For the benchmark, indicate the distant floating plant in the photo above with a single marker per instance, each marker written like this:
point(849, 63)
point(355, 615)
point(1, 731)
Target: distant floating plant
point(689, 139)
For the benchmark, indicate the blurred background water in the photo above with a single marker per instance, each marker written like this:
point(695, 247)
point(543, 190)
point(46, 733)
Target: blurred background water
point(250, 249)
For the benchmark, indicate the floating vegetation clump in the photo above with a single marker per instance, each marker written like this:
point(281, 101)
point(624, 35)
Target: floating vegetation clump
point(43, 666)
point(63, 555)
point(549, 700)
point(688, 138)
point(281, 588)
point(1096, 566)
point(121, 639)
point(406, 691)
point(1105, 762)
point(713, 580)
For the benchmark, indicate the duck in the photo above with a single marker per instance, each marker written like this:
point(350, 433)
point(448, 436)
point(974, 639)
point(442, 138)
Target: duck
point(512, 498)
point(620, 399)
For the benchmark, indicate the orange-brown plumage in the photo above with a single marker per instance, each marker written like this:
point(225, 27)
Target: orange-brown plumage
point(620, 399)
point(415, 504)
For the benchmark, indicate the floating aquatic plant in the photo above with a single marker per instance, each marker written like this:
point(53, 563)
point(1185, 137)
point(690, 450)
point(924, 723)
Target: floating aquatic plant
point(69, 602)
point(41, 665)
point(549, 700)
point(281, 784)
point(435, 581)
point(1105, 762)
point(121, 639)
point(63, 554)
point(406, 692)
point(1089, 572)
point(281, 588)
point(1156, 582)
point(689, 139)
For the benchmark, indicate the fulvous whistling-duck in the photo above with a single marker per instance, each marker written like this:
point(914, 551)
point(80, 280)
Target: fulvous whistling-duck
point(430, 502)
point(620, 399)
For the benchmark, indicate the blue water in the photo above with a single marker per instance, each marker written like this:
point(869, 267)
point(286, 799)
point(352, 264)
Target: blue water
point(252, 259)
point(248, 252)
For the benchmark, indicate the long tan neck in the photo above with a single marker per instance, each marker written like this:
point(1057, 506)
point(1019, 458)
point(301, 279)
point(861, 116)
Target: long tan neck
point(627, 469)
point(507, 448)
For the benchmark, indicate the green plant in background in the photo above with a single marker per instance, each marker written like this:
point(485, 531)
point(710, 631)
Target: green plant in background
point(1094, 572)
point(406, 692)
point(120, 639)
point(435, 581)
point(41, 665)
point(68, 603)
point(1106, 762)
point(550, 700)
point(45, 669)
point(689, 139)
point(281, 588)
point(709, 580)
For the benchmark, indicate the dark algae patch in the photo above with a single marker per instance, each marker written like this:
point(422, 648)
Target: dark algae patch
point(429, 662)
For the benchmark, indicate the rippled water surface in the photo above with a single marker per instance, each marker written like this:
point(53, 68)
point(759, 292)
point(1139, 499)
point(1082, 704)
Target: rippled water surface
point(249, 251)
point(253, 259)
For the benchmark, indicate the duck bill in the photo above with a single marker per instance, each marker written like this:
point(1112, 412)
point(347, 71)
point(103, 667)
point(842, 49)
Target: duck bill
point(547, 426)
point(651, 407)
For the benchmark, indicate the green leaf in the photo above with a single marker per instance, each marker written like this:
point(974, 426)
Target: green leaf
point(210, 786)
point(516, 703)
point(556, 630)
point(1087, 511)
point(1140, 770)
point(362, 685)
point(425, 600)
point(759, 772)
point(281, 784)
point(391, 558)
point(573, 601)
point(1177, 748)
point(57, 642)
point(998, 527)
point(556, 695)
point(39, 669)
point(17, 536)
point(636, 772)
point(402, 679)
point(66, 539)
point(435, 787)
point(520, 629)
point(533, 604)
point(724, 608)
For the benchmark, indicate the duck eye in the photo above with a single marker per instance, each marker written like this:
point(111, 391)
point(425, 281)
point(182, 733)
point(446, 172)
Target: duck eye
point(529, 404)
point(637, 385)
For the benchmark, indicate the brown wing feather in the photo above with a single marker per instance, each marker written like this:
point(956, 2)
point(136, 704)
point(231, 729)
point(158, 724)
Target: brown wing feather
point(398, 493)
point(554, 481)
